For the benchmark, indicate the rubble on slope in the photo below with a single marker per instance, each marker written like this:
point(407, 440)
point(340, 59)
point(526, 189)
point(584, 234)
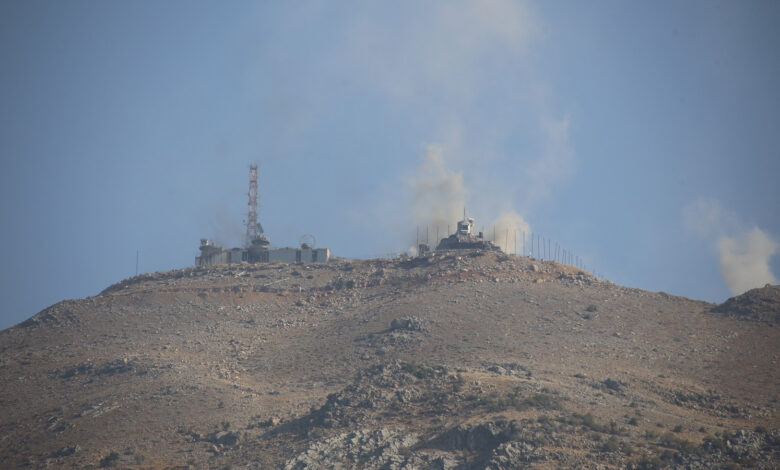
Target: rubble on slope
point(406, 416)
point(761, 304)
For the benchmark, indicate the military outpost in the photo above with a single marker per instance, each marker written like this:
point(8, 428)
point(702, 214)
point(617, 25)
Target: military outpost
point(256, 245)
point(464, 239)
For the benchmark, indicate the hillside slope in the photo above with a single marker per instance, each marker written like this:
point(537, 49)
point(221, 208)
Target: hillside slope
point(471, 360)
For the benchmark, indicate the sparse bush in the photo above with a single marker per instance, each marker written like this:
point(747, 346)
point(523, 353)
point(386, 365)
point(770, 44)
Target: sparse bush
point(548, 425)
point(673, 442)
point(589, 422)
point(633, 421)
point(457, 385)
point(418, 371)
point(649, 434)
point(668, 456)
point(613, 428)
point(542, 401)
point(613, 385)
point(713, 443)
point(109, 460)
point(677, 428)
point(490, 402)
point(611, 445)
point(649, 463)
point(497, 402)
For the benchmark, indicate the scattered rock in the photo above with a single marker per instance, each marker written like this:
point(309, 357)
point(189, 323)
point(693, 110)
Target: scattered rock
point(213, 344)
point(481, 438)
point(407, 323)
point(613, 385)
point(369, 449)
point(271, 422)
point(762, 304)
point(118, 366)
point(225, 438)
point(66, 451)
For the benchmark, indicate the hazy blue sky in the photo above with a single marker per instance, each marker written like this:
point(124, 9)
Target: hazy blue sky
point(645, 136)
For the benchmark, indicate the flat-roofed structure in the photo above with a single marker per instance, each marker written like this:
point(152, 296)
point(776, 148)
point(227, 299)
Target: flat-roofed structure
point(211, 254)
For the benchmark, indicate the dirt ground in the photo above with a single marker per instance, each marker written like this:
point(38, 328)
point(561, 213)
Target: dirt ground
point(233, 366)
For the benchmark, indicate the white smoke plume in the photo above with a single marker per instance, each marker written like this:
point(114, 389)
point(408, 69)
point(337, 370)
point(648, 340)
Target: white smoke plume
point(708, 218)
point(439, 198)
point(743, 254)
point(438, 194)
point(744, 260)
point(465, 74)
point(508, 231)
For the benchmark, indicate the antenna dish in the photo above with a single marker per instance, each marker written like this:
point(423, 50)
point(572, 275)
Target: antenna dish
point(307, 241)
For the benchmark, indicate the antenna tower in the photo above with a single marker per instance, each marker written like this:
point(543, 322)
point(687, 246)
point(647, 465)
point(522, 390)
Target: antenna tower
point(252, 227)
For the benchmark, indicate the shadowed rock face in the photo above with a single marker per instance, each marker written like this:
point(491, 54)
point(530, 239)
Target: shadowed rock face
point(761, 304)
point(467, 359)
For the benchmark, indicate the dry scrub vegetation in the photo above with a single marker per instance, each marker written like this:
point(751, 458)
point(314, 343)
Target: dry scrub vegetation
point(454, 360)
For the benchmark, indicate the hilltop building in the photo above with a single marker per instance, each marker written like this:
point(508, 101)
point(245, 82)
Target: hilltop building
point(257, 245)
point(211, 254)
point(465, 239)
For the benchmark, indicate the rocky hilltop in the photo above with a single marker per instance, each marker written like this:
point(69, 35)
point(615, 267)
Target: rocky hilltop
point(450, 361)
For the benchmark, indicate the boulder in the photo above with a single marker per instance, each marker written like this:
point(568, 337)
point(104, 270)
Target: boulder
point(225, 438)
point(407, 323)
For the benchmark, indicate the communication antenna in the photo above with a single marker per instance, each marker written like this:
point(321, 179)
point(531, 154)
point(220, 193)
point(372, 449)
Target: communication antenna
point(252, 227)
point(308, 240)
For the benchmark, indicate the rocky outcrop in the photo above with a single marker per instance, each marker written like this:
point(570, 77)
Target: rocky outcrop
point(361, 449)
point(407, 323)
point(762, 304)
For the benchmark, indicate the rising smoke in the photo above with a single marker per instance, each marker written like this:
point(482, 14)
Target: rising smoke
point(462, 74)
point(438, 194)
point(508, 230)
point(439, 198)
point(743, 254)
point(744, 260)
point(224, 226)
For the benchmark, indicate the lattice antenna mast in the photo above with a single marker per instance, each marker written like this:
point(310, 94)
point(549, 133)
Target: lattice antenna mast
point(252, 227)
